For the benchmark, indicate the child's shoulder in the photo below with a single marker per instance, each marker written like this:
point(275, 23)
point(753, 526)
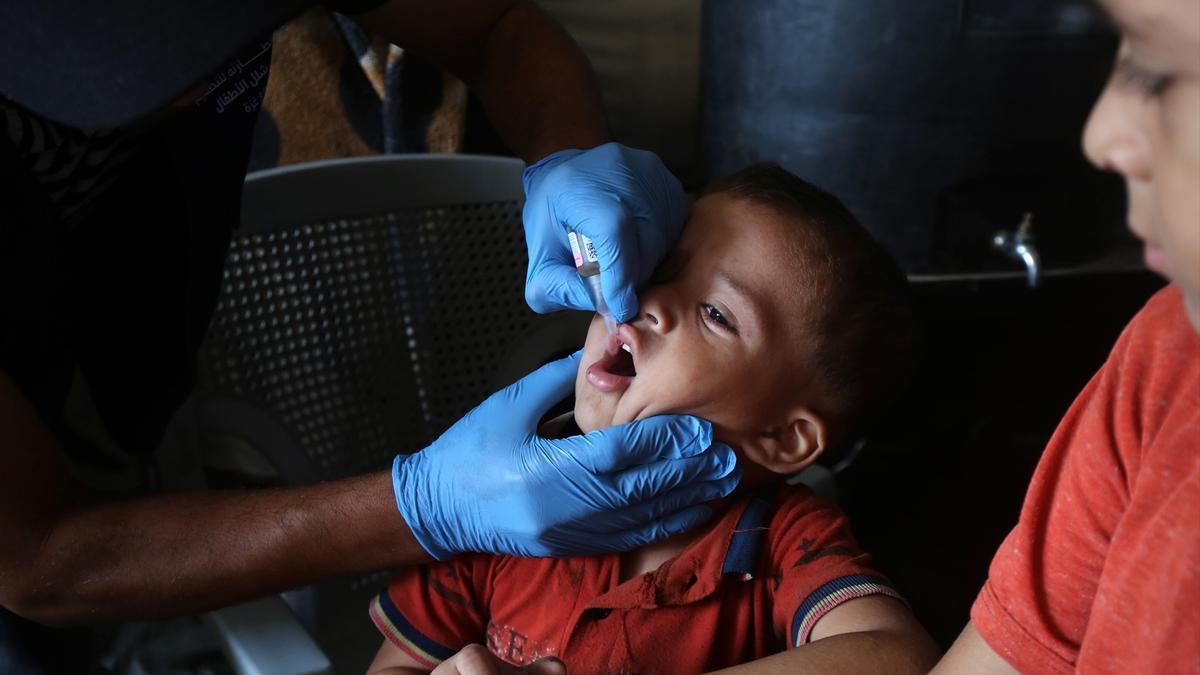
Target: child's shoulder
point(804, 528)
point(799, 502)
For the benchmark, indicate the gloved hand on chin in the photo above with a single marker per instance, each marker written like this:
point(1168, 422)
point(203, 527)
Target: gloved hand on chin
point(491, 484)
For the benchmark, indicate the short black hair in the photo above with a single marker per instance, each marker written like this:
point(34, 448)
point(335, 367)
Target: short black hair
point(863, 341)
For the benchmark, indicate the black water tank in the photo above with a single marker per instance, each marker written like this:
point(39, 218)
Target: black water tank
point(938, 123)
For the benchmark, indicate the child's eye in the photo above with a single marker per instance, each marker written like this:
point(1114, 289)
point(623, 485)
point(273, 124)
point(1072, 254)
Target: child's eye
point(714, 315)
point(1147, 82)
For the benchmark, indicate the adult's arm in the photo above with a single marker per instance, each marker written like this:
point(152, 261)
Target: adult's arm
point(69, 557)
point(537, 87)
point(540, 93)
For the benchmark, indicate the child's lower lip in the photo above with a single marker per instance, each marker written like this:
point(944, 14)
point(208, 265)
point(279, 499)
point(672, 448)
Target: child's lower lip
point(606, 381)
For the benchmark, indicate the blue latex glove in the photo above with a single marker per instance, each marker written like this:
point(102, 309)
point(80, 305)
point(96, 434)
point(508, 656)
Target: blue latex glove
point(624, 200)
point(490, 483)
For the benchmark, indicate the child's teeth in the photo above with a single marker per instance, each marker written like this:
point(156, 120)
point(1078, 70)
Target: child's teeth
point(626, 348)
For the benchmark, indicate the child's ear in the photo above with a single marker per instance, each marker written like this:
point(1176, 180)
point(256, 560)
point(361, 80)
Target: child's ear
point(790, 447)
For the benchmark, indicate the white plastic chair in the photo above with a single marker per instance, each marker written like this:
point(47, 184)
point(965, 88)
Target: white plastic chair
point(366, 305)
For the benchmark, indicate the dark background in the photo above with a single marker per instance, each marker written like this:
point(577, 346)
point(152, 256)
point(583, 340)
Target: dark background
point(941, 481)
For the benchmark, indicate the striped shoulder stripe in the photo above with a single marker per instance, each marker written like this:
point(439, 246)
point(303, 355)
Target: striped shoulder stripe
point(400, 632)
point(831, 594)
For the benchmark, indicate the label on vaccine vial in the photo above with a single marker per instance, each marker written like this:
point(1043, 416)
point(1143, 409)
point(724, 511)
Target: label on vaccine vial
point(583, 250)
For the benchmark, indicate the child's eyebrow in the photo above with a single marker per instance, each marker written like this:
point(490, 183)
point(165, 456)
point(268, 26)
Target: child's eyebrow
point(728, 280)
point(1136, 24)
point(736, 286)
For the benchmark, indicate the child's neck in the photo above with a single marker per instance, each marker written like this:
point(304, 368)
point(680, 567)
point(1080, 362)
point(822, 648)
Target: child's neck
point(650, 557)
point(646, 558)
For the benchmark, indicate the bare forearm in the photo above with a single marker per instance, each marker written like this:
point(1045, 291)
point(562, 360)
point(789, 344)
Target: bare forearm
point(536, 85)
point(184, 553)
point(540, 94)
point(881, 652)
point(970, 653)
point(66, 557)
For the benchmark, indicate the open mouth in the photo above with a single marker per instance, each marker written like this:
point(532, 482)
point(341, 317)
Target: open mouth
point(621, 363)
point(615, 370)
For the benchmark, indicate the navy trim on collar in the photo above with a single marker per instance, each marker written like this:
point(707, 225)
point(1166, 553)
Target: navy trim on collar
point(748, 535)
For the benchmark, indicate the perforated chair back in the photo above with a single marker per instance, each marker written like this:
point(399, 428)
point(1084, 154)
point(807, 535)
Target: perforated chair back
point(365, 307)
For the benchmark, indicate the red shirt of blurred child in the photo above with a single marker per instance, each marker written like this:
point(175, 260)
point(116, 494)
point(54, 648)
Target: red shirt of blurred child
point(1102, 572)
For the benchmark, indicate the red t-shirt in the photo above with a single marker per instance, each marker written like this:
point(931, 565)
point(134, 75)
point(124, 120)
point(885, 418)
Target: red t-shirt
point(1102, 572)
point(754, 584)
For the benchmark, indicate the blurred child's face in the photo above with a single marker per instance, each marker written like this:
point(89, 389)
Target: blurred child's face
point(718, 334)
point(1146, 126)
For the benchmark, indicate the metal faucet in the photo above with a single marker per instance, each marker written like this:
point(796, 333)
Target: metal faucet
point(1020, 246)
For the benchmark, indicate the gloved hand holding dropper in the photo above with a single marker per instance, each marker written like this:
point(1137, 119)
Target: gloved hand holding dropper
point(491, 483)
point(624, 201)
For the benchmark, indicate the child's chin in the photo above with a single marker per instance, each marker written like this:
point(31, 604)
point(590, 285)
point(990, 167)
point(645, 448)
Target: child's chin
point(589, 416)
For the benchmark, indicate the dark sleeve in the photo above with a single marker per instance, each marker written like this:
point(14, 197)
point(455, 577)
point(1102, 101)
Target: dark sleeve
point(352, 6)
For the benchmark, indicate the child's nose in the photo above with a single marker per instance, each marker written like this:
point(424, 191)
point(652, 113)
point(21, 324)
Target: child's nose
point(1112, 139)
point(656, 312)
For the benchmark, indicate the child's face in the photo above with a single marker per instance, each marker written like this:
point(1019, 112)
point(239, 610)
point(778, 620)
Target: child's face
point(718, 335)
point(1145, 127)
